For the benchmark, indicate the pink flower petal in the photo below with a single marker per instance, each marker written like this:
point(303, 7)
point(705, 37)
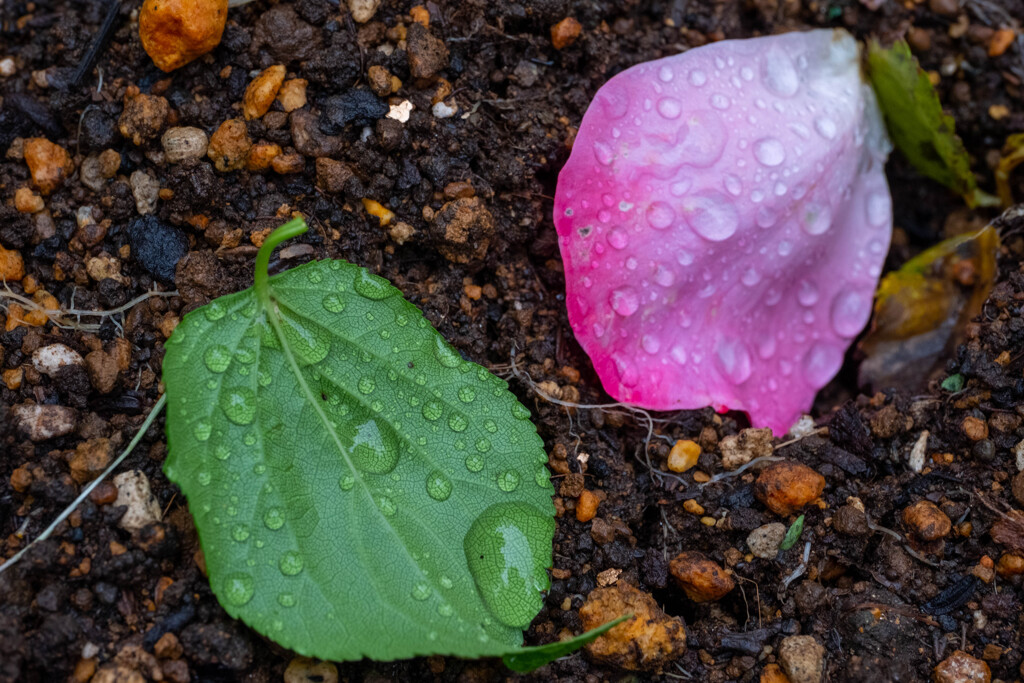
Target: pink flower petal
point(723, 220)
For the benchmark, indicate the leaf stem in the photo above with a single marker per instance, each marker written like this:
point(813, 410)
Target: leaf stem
point(261, 277)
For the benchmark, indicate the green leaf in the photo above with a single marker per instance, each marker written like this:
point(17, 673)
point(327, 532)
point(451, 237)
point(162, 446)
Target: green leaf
point(530, 658)
point(792, 534)
point(953, 383)
point(916, 123)
point(359, 489)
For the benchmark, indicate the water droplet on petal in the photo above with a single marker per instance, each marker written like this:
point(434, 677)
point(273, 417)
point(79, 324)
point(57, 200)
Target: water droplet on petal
point(618, 238)
point(807, 293)
point(733, 185)
point(850, 312)
point(660, 216)
point(769, 151)
point(750, 277)
point(670, 107)
point(711, 215)
point(826, 128)
point(879, 208)
point(698, 78)
point(625, 301)
point(817, 219)
point(603, 153)
point(733, 360)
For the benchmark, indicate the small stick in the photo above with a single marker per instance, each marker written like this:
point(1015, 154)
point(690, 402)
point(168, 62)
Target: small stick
point(99, 43)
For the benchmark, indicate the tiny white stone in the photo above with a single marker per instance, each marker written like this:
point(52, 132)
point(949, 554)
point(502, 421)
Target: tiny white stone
point(803, 427)
point(400, 112)
point(1018, 451)
point(363, 10)
point(134, 492)
point(443, 110)
point(7, 67)
point(49, 359)
point(917, 453)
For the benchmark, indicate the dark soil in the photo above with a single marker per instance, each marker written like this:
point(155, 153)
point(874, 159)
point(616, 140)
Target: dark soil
point(94, 592)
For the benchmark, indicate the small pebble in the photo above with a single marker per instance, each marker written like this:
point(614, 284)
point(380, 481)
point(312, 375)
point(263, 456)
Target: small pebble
point(961, 667)
point(683, 455)
point(230, 145)
point(444, 110)
point(134, 492)
point(363, 10)
point(90, 459)
point(802, 658)
point(565, 33)
point(156, 246)
point(12, 266)
point(27, 201)
point(48, 163)
point(292, 94)
point(586, 506)
point(146, 190)
point(184, 144)
point(427, 54)
point(738, 450)
point(984, 450)
point(51, 358)
point(262, 92)
point(975, 428)
point(702, 579)
point(786, 486)
point(175, 32)
point(43, 422)
point(764, 541)
point(926, 521)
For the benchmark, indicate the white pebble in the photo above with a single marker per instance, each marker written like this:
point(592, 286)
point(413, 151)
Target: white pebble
point(363, 10)
point(133, 491)
point(7, 67)
point(1018, 451)
point(917, 453)
point(50, 359)
point(184, 143)
point(146, 190)
point(443, 110)
point(400, 112)
point(803, 427)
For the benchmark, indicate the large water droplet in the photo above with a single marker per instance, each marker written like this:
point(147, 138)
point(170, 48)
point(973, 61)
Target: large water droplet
point(508, 480)
point(665, 74)
point(625, 301)
point(660, 215)
point(439, 487)
point(371, 286)
point(366, 385)
point(507, 548)
point(817, 219)
point(217, 358)
point(457, 422)
point(238, 588)
point(769, 151)
point(603, 153)
point(474, 462)
point(386, 506)
point(375, 450)
point(698, 78)
point(290, 563)
point(821, 363)
point(670, 107)
point(421, 591)
point(650, 343)
point(239, 405)
point(850, 312)
point(432, 410)
point(273, 519)
point(240, 532)
point(807, 293)
point(214, 310)
point(711, 215)
point(204, 478)
point(445, 354)
point(733, 360)
point(520, 412)
point(346, 482)
point(202, 430)
point(333, 303)
point(618, 238)
point(826, 128)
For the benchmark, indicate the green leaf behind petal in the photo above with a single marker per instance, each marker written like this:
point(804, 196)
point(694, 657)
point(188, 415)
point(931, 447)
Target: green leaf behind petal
point(916, 123)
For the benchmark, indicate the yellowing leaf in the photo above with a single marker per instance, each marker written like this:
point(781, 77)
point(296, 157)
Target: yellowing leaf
point(921, 309)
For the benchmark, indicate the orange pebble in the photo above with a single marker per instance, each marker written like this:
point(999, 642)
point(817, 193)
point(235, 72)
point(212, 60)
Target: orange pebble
point(1001, 41)
point(586, 506)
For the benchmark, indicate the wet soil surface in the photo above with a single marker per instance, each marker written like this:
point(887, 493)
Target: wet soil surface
point(473, 245)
